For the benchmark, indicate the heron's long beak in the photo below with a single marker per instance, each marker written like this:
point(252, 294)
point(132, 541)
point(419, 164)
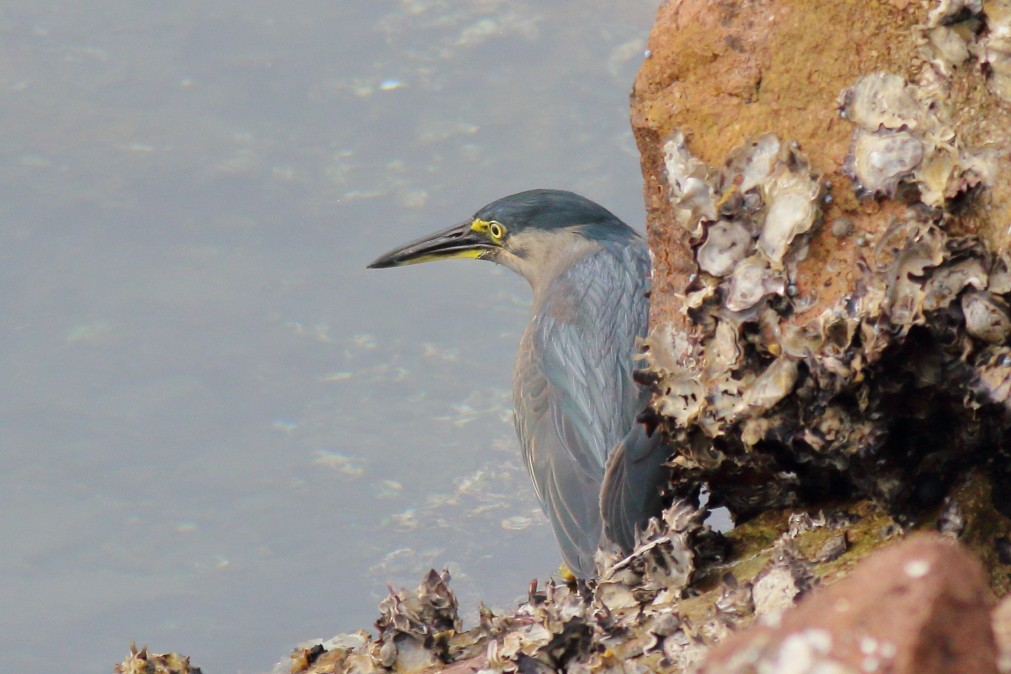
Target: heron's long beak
point(457, 241)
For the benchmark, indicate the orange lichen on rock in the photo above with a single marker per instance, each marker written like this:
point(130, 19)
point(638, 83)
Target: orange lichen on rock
point(725, 71)
point(829, 207)
point(722, 73)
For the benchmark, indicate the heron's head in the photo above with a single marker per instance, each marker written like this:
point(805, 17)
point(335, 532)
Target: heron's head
point(532, 233)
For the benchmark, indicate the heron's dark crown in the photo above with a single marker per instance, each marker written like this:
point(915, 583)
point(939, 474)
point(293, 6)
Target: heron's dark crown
point(554, 209)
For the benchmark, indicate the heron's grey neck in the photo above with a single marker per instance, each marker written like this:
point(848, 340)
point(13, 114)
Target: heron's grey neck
point(540, 256)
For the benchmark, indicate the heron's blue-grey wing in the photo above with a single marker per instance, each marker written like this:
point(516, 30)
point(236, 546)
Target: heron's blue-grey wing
point(574, 395)
point(635, 475)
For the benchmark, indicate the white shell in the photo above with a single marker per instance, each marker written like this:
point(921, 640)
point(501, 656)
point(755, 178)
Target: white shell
point(879, 160)
point(986, 317)
point(998, 47)
point(690, 190)
point(774, 384)
point(947, 282)
point(793, 207)
point(727, 243)
point(752, 280)
point(755, 161)
point(881, 100)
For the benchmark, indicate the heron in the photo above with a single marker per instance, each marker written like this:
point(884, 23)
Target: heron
point(596, 471)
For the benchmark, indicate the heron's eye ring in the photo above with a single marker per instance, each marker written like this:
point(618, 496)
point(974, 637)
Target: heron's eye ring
point(496, 230)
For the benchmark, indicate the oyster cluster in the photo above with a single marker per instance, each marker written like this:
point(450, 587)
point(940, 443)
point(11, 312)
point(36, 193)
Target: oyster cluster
point(143, 661)
point(663, 564)
point(775, 397)
point(646, 625)
point(904, 139)
point(960, 31)
point(751, 222)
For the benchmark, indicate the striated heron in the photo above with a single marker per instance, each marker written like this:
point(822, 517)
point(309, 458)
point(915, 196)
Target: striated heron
point(595, 470)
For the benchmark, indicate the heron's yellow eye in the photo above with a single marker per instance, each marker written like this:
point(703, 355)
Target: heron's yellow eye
point(496, 231)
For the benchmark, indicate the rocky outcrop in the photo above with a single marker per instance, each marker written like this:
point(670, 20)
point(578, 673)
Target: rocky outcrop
point(839, 589)
point(921, 606)
point(829, 194)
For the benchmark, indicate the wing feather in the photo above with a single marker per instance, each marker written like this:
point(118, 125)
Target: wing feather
point(574, 395)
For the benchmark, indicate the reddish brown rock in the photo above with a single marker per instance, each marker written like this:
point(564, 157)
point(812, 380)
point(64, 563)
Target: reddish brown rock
point(828, 197)
point(722, 72)
point(1002, 634)
point(920, 606)
point(726, 72)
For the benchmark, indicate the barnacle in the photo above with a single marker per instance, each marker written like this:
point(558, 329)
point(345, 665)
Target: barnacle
point(951, 30)
point(751, 280)
point(753, 163)
point(682, 399)
point(727, 243)
point(879, 160)
point(793, 207)
point(691, 191)
point(903, 136)
point(986, 316)
point(882, 100)
point(949, 280)
point(774, 384)
point(997, 46)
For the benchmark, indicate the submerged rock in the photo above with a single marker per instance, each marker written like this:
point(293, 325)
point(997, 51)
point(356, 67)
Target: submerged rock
point(142, 661)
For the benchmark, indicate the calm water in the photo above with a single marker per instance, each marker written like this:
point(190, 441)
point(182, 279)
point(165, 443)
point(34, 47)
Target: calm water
point(221, 435)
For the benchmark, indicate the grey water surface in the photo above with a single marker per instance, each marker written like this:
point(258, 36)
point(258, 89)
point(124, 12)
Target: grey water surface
point(219, 433)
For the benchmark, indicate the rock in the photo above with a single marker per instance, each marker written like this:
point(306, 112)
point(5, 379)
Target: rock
point(141, 661)
point(791, 363)
point(917, 607)
point(1002, 634)
point(746, 585)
